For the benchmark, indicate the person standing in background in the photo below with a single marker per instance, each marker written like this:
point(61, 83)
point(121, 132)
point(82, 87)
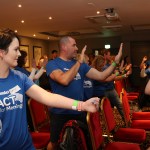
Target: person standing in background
point(144, 99)
point(44, 79)
point(109, 87)
point(66, 78)
point(54, 54)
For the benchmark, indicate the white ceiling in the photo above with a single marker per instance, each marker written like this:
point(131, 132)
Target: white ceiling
point(69, 17)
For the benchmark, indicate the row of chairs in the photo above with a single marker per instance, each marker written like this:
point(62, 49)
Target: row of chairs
point(139, 120)
point(96, 132)
point(41, 121)
point(132, 96)
point(137, 125)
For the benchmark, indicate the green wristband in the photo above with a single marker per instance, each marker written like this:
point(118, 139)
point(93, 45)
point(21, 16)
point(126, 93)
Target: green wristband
point(75, 104)
point(114, 64)
point(124, 75)
point(117, 73)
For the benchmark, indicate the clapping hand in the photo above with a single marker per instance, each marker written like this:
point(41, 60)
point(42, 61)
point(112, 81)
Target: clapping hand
point(119, 55)
point(33, 63)
point(81, 58)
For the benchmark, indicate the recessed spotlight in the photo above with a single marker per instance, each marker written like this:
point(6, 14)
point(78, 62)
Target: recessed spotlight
point(98, 12)
point(34, 35)
point(22, 21)
point(16, 31)
point(19, 5)
point(50, 18)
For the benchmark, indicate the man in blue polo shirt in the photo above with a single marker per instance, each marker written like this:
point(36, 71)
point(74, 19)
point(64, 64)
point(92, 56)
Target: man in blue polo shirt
point(66, 78)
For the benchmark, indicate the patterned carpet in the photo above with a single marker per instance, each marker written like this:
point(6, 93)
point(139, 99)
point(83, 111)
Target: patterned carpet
point(120, 123)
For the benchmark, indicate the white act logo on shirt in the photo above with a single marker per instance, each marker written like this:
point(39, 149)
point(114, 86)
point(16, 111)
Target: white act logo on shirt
point(77, 77)
point(12, 101)
point(87, 84)
point(14, 89)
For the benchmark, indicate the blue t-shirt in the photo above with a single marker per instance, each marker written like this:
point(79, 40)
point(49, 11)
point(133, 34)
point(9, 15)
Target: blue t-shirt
point(75, 88)
point(23, 70)
point(14, 133)
point(26, 72)
point(88, 88)
point(108, 85)
point(98, 88)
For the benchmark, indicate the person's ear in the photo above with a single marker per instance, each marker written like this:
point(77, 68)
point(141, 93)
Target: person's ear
point(64, 47)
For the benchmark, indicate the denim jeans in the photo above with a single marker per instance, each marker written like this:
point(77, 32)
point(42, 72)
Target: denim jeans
point(114, 99)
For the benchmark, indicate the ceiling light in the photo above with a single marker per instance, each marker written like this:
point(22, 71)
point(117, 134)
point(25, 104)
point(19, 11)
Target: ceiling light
point(50, 18)
point(107, 46)
point(98, 12)
point(19, 5)
point(34, 35)
point(22, 21)
point(16, 31)
point(48, 38)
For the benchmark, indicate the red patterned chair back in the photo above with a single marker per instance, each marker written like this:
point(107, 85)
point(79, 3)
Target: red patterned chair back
point(94, 125)
point(126, 107)
point(108, 115)
point(93, 120)
point(39, 114)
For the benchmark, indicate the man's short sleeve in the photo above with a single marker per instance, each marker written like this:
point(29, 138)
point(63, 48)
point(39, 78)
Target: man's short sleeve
point(50, 67)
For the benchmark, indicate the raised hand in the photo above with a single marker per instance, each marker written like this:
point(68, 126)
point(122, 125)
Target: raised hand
point(144, 58)
point(119, 55)
point(33, 63)
point(81, 58)
point(128, 67)
point(43, 64)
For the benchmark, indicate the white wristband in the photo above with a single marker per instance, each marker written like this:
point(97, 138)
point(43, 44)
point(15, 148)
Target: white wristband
point(74, 107)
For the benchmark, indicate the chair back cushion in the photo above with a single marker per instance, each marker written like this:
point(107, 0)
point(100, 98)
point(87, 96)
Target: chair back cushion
point(118, 86)
point(108, 114)
point(39, 115)
point(93, 120)
point(125, 104)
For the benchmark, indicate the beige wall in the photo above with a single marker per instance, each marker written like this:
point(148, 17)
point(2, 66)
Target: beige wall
point(35, 42)
point(93, 43)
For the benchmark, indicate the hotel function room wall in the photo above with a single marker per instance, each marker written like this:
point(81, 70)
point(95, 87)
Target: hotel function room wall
point(31, 42)
point(97, 43)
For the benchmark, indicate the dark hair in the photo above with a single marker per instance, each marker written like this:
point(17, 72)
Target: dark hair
point(6, 37)
point(54, 51)
point(125, 60)
point(21, 59)
point(104, 52)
